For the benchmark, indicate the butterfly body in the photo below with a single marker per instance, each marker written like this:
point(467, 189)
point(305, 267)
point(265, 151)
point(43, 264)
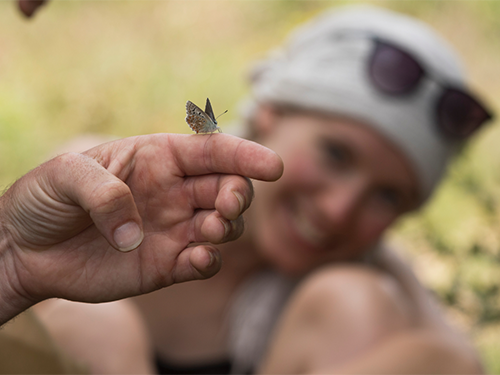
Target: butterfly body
point(201, 121)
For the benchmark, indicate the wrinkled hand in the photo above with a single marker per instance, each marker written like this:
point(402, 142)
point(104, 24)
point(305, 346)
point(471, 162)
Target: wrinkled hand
point(63, 223)
point(30, 7)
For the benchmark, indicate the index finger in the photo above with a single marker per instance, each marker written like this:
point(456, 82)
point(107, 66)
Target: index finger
point(224, 153)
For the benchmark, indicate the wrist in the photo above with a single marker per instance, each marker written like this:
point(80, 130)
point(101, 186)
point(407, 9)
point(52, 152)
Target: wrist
point(12, 301)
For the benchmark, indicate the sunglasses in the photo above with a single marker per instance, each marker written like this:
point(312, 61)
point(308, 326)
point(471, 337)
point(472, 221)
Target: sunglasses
point(396, 72)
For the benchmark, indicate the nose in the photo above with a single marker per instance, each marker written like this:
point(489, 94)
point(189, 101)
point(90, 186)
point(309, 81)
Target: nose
point(340, 201)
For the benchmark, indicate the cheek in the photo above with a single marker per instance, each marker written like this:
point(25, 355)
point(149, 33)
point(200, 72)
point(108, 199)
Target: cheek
point(300, 176)
point(300, 169)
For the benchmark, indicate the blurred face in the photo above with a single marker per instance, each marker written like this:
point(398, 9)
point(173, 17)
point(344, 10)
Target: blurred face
point(343, 185)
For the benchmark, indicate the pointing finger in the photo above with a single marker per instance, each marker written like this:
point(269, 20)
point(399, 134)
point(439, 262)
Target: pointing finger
point(223, 153)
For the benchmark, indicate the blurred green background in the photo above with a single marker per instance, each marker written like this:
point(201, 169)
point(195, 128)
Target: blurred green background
point(124, 68)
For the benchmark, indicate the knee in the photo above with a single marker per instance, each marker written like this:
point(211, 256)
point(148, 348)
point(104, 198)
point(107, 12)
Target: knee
point(367, 301)
point(108, 337)
point(74, 319)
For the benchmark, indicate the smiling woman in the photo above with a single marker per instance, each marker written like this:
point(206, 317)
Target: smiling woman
point(344, 185)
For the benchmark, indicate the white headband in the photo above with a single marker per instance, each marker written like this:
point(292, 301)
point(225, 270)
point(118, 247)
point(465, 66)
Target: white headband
point(323, 67)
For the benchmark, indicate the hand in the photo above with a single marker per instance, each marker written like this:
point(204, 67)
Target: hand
point(29, 7)
point(63, 222)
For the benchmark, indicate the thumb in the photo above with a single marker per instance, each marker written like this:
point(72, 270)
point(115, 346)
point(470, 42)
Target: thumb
point(114, 213)
point(106, 198)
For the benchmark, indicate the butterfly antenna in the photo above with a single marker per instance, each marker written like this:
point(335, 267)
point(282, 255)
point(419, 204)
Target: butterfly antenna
point(221, 114)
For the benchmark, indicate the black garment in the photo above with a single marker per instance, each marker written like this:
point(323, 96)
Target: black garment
point(165, 367)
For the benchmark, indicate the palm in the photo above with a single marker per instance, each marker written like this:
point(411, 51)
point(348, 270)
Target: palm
point(75, 260)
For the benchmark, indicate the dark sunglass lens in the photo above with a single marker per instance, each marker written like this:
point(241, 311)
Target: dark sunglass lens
point(459, 114)
point(394, 71)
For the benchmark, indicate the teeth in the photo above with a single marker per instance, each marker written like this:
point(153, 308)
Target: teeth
point(308, 230)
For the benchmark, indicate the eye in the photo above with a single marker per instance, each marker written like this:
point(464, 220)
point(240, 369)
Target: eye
point(335, 153)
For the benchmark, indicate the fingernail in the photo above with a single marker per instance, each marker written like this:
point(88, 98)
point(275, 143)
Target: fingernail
point(226, 227)
point(214, 258)
point(128, 237)
point(211, 260)
point(241, 201)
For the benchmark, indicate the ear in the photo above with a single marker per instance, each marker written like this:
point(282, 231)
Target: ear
point(265, 120)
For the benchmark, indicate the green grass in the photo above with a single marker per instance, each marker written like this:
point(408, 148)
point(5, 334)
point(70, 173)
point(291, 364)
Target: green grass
point(127, 67)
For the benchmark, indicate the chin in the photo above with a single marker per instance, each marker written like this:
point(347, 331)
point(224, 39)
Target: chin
point(288, 264)
point(292, 270)
point(294, 265)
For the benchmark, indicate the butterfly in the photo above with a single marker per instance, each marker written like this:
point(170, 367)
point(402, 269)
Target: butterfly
point(201, 121)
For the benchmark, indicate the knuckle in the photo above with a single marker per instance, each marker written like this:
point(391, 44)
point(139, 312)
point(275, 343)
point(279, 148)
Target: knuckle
point(68, 161)
point(66, 169)
point(368, 294)
point(363, 279)
point(109, 197)
point(68, 158)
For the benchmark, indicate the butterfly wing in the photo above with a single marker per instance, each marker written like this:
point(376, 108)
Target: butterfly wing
point(198, 120)
point(209, 111)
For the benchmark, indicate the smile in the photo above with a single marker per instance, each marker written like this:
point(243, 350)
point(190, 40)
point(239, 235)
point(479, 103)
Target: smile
point(306, 230)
